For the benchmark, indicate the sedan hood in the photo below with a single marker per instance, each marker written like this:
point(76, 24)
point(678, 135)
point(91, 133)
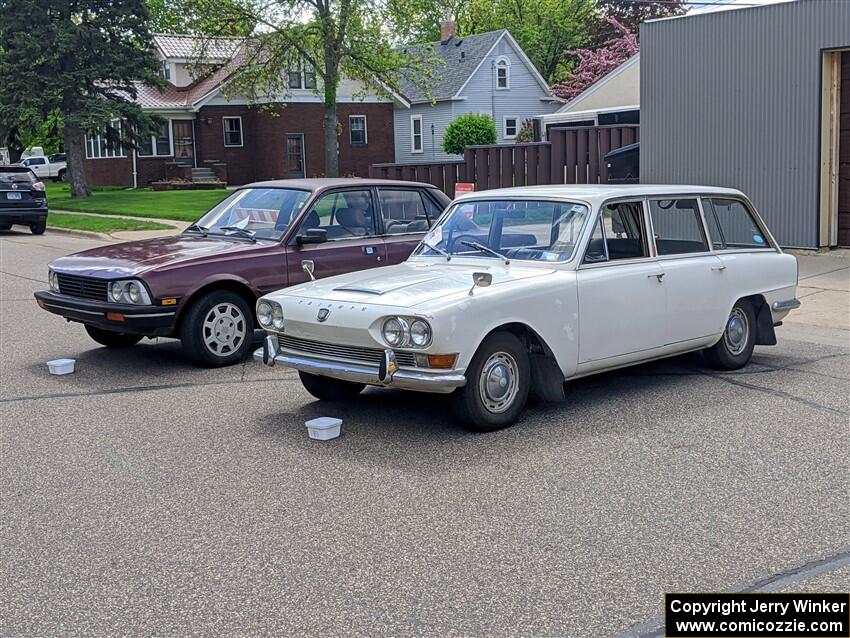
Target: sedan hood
point(135, 257)
point(410, 283)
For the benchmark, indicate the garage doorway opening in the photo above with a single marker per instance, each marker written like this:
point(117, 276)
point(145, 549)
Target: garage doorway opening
point(834, 227)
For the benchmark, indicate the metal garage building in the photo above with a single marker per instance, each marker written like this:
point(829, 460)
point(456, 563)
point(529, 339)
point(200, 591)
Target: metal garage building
point(758, 99)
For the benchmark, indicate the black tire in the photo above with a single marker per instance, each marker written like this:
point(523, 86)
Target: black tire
point(329, 389)
point(62, 176)
point(216, 344)
point(38, 228)
point(469, 403)
point(112, 339)
point(734, 350)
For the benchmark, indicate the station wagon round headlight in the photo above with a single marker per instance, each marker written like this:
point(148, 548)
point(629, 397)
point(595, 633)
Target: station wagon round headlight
point(264, 313)
point(394, 331)
point(277, 317)
point(420, 333)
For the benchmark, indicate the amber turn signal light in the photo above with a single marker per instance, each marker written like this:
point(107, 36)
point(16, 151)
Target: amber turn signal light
point(114, 316)
point(442, 360)
point(168, 302)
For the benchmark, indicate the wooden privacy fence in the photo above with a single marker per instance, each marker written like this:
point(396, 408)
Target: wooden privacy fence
point(571, 156)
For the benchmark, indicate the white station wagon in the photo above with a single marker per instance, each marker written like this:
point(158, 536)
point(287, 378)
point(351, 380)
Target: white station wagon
point(517, 291)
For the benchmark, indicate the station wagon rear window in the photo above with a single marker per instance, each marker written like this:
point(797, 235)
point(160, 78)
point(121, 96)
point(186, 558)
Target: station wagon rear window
point(677, 226)
point(515, 229)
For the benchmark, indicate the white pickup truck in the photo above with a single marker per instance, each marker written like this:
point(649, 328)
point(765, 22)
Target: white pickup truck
point(53, 167)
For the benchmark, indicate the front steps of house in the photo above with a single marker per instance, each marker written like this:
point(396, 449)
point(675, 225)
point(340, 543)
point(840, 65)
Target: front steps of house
point(203, 175)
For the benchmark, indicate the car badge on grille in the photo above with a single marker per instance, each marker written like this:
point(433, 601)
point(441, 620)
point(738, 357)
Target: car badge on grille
point(14, 187)
point(323, 315)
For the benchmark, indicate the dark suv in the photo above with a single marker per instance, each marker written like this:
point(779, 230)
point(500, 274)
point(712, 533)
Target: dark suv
point(22, 199)
point(201, 286)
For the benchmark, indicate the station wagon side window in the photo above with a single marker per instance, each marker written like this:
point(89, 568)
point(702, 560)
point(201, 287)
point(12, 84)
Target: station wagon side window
point(732, 225)
point(596, 252)
point(624, 231)
point(677, 226)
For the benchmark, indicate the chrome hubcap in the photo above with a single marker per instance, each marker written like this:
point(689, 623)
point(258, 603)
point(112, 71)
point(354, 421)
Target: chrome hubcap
point(224, 329)
point(737, 331)
point(499, 382)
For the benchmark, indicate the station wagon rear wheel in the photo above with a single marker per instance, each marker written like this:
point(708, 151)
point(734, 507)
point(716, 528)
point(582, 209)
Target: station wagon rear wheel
point(735, 347)
point(218, 329)
point(498, 381)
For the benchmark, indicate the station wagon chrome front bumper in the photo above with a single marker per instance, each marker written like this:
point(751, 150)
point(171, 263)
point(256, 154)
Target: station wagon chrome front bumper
point(386, 375)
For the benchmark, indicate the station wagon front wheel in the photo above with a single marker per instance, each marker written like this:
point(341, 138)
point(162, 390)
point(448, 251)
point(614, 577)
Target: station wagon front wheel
point(497, 384)
point(735, 347)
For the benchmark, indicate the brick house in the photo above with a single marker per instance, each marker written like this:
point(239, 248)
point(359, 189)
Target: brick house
point(210, 134)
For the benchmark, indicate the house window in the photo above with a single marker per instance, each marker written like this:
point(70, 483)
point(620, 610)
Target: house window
point(232, 131)
point(166, 70)
point(511, 127)
point(416, 134)
point(503, 74)
point(158, 145)
point(357, 130)
point(309, 79)
point(98, 146)
point(295, 79)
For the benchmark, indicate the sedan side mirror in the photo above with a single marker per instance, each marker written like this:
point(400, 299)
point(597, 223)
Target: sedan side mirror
point(313, 236)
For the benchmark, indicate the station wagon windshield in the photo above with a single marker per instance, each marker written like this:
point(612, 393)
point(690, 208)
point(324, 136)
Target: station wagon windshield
point(263, 213)
point(508, 229)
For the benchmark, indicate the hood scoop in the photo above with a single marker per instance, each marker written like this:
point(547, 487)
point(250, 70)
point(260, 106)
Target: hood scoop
point(367, 291)
point(377, 285)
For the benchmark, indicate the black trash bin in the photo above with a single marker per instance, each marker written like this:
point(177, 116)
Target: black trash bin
point(624, 164)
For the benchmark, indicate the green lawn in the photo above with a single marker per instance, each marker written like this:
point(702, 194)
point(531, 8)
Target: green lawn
point(100, 224)
point(185, 206)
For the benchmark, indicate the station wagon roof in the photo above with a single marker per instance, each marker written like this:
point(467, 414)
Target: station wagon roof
point(322, 183)
point(597, 193)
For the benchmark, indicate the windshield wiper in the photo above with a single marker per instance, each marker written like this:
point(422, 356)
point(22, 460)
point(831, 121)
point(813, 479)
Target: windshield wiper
point(197, 228)
point(484, 249)
point(238, 229)
point(440, 251)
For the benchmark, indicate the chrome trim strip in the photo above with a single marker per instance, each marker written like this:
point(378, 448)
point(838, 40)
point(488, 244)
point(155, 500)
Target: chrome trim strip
point(441, 383)
point(788, 304)
point(86, 312)
point(153, 314)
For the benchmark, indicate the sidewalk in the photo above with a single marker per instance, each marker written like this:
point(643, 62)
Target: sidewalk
point(824, 291)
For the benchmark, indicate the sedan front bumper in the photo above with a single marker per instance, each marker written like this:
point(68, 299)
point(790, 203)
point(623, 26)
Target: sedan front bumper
point(147, 321)
point(436, 382)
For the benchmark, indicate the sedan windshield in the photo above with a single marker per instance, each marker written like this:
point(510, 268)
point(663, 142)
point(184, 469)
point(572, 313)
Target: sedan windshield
point(263, 213)
point(508, 229)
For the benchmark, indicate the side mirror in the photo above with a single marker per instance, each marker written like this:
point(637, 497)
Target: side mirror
point(480, 280)
point(313, 236)
point(309, 267)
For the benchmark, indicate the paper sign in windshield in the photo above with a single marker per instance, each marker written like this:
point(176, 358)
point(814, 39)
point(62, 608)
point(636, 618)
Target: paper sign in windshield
point(434, 236)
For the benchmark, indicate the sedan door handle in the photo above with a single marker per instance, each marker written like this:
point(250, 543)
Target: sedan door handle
point(718, 268)
point(660, 276)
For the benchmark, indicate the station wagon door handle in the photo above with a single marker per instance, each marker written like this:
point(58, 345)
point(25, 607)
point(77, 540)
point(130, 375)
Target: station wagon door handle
point(659, 276)
point(721, 267)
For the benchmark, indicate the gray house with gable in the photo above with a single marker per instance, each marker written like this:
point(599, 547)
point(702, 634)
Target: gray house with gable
point(487, 73)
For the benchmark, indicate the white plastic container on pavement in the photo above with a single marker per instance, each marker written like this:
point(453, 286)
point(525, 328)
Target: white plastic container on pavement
point(323, 428)
point(61, 366)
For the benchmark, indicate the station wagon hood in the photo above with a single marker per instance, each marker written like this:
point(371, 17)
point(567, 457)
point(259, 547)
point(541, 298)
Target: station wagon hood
point(410, 283)
point(135, 257)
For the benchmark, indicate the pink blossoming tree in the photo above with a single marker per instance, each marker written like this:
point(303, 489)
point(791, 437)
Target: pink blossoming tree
point(595, 64)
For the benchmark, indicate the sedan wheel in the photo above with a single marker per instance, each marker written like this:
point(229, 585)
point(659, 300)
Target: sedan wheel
point(217, 329)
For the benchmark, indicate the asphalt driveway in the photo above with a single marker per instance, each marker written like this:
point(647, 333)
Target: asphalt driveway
point(143, 496)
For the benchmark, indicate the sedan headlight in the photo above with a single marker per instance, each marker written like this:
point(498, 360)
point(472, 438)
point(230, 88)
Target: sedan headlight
point(264, 313)
point(53, 281)
point(409, 332)
point(129, 291)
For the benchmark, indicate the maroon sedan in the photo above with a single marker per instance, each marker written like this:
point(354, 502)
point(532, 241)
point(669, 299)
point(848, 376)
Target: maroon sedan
point(201, 286)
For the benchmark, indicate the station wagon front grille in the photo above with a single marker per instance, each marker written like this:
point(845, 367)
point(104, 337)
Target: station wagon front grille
point(85, 287)
point(347, 353)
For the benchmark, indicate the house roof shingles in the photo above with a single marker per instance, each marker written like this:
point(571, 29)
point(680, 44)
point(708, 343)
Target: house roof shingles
point(456, 69)
point(186, 47)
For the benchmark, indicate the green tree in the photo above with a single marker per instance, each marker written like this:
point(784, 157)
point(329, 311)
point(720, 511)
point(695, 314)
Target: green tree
point(80, 58)
point(190, 17)
point(468, 130)
point(333, 38)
